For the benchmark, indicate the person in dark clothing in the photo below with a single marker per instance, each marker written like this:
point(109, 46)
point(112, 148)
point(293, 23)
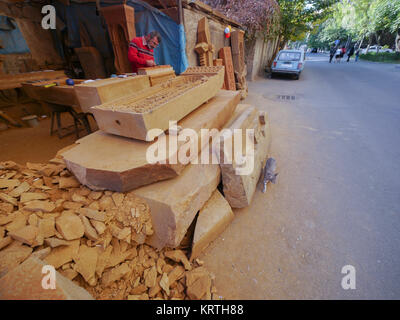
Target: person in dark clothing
point(350, 54)
point(332, 53)
point(343, 51)
point(357, 55)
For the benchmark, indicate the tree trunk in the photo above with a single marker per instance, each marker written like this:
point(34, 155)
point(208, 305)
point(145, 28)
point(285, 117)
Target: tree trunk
point(369, 44)
point(361, 41)
point(378, 38)
point(397, 41)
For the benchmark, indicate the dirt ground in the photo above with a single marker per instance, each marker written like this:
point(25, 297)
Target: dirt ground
point(35, 144)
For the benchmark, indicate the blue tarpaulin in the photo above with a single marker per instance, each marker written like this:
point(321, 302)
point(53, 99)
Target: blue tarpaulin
point(147, 18)
point(172, 47)
point(11, 37)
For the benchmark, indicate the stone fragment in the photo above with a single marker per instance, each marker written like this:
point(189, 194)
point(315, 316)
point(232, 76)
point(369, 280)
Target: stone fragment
point(6, 207)
point(93, 214)
point(115, 274)
point(63, 254)
point(12, 256)
point(164, 283)
point(4, 242)
point(9, 183)
point(70, 226)
point(47, 227)
point(23, 187)
point(7, 198)
point(150, 277)
point(199, 288)
point(99, 226)
point(213, 218)
point(26, 234)
point(25, 282)
point(55, 242)
point(90, 232)
point(68, 182)
point(86, 261)
point(18, 220)
point(39, 205)
point(179, 256)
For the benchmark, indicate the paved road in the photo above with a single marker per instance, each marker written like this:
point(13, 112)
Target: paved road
point(337, 200)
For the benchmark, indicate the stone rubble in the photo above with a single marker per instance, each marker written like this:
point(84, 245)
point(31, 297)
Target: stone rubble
point(96, 239)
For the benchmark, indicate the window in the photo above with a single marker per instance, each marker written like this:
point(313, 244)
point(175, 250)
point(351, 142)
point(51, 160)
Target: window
point(289, 56)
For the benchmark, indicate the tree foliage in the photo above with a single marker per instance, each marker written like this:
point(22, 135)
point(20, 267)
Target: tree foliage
point(357, 20)
point(258, 16)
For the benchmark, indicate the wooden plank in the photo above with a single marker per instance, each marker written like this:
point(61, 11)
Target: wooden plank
point(102, 91)
point(134, 118)
point(121, 28)
point(239, 189)
point(8, 81)
point(92, 62)
point(237, 44)
point(226, 56)
point(105, 161)
point(61, 94)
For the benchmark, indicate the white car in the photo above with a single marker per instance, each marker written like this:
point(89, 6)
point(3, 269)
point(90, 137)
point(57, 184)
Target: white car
point(375, 49)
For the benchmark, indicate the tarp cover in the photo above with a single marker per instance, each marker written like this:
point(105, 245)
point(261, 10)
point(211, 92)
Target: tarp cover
point(170, 51)
point(11, 38)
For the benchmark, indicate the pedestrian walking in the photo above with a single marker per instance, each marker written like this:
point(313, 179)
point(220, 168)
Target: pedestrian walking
point(338, 55)
point(357, 54)
point(332, 53)
point(350, 53)
point(343, 51)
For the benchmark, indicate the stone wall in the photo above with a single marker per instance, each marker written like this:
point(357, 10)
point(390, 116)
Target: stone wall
point(216, 29)
point(258, 54)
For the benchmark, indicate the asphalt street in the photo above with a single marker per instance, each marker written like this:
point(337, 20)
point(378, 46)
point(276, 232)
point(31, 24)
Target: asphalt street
point(336, 139)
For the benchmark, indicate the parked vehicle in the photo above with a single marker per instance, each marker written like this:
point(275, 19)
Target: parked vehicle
point(289, 62)
point(314, 50)
point(375, 49)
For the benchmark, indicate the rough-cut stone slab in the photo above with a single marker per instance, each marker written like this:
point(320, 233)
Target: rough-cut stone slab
point(153, 108)
point(157, 70)
point(175, 202)
point(213, 218)
point(25, 283)
point(206, 71)
point(102, 91)
point(239, 189)
point(103, 161)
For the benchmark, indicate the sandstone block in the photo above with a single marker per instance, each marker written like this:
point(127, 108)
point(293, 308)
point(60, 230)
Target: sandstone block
point(213, 218)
